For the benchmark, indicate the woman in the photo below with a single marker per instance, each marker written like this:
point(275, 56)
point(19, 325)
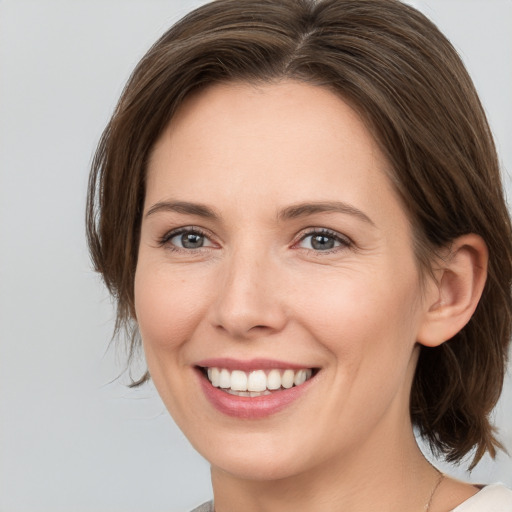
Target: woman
point(297, 205)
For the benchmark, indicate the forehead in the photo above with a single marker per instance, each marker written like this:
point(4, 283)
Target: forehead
point(286, 141)
point(270, 111)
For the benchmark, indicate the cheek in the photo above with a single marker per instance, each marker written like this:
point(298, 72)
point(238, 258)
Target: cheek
point(368, 324)
point(166, 306)
point(358, 307)
point(168, 310)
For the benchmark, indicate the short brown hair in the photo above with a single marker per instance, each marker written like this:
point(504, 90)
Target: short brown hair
point(409, 85)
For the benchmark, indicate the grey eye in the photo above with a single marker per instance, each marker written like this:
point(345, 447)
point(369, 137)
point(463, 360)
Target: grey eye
point(190, 240)
point(321, 241)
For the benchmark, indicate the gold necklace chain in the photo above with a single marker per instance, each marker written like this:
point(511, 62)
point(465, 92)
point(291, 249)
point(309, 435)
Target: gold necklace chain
point(434, 489)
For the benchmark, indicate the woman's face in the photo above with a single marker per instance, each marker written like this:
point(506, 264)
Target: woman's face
point(273, 249)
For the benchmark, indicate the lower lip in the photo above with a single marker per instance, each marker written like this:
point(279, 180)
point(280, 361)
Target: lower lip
point(251, 407)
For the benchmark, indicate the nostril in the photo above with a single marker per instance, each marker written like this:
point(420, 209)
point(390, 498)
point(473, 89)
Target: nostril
point(239, 330)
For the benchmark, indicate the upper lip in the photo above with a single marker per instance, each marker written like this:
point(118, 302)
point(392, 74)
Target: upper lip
point(250, 365)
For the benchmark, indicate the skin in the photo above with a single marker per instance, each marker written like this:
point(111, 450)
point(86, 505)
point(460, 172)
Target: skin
point(259, 289)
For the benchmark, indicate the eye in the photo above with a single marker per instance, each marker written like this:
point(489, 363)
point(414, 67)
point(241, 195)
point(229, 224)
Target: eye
point(187, 239)
point(323, 240)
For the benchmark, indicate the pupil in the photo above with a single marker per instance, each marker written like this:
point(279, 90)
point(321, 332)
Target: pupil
point(322, 242)
point(191, 240)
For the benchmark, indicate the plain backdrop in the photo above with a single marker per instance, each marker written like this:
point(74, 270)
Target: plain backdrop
point(72, 437)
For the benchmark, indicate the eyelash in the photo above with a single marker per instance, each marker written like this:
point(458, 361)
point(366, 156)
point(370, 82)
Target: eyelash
point(165, 240)
point(344, 241)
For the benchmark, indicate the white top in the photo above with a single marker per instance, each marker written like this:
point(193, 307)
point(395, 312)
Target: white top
point(492, 498)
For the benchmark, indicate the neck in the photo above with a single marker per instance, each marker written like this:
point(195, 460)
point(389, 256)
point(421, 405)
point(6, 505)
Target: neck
point(391, 476)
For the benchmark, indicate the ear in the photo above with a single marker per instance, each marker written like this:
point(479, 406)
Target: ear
point(452, 298)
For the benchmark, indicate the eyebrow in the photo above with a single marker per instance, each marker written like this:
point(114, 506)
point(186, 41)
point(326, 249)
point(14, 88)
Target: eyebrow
point(290, 212)
point(305, 209)
point(185, 207)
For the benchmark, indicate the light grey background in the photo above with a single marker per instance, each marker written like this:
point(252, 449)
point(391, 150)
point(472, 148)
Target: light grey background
point(70, 439)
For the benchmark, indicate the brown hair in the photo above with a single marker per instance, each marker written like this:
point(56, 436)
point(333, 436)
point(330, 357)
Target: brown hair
point(408, 83)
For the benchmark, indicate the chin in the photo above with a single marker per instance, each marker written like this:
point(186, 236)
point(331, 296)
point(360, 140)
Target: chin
point(257, 468)
point(255, 458)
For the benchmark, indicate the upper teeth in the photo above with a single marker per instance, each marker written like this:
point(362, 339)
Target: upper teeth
point(257, 380)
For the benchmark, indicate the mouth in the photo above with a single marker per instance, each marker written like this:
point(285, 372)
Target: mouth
point(255, 389)
point(258, 382)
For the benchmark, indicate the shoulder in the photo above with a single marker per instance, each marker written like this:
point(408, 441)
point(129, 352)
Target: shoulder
point(205, 507)
point(491, 498)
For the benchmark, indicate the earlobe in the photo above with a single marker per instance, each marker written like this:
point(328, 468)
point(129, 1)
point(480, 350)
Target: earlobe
point(454, 296)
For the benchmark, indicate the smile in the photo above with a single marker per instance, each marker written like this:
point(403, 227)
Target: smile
point(253, 389)
point(258, 382)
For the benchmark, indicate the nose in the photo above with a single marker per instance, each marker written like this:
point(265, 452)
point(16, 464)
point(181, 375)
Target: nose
point(249, 302)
